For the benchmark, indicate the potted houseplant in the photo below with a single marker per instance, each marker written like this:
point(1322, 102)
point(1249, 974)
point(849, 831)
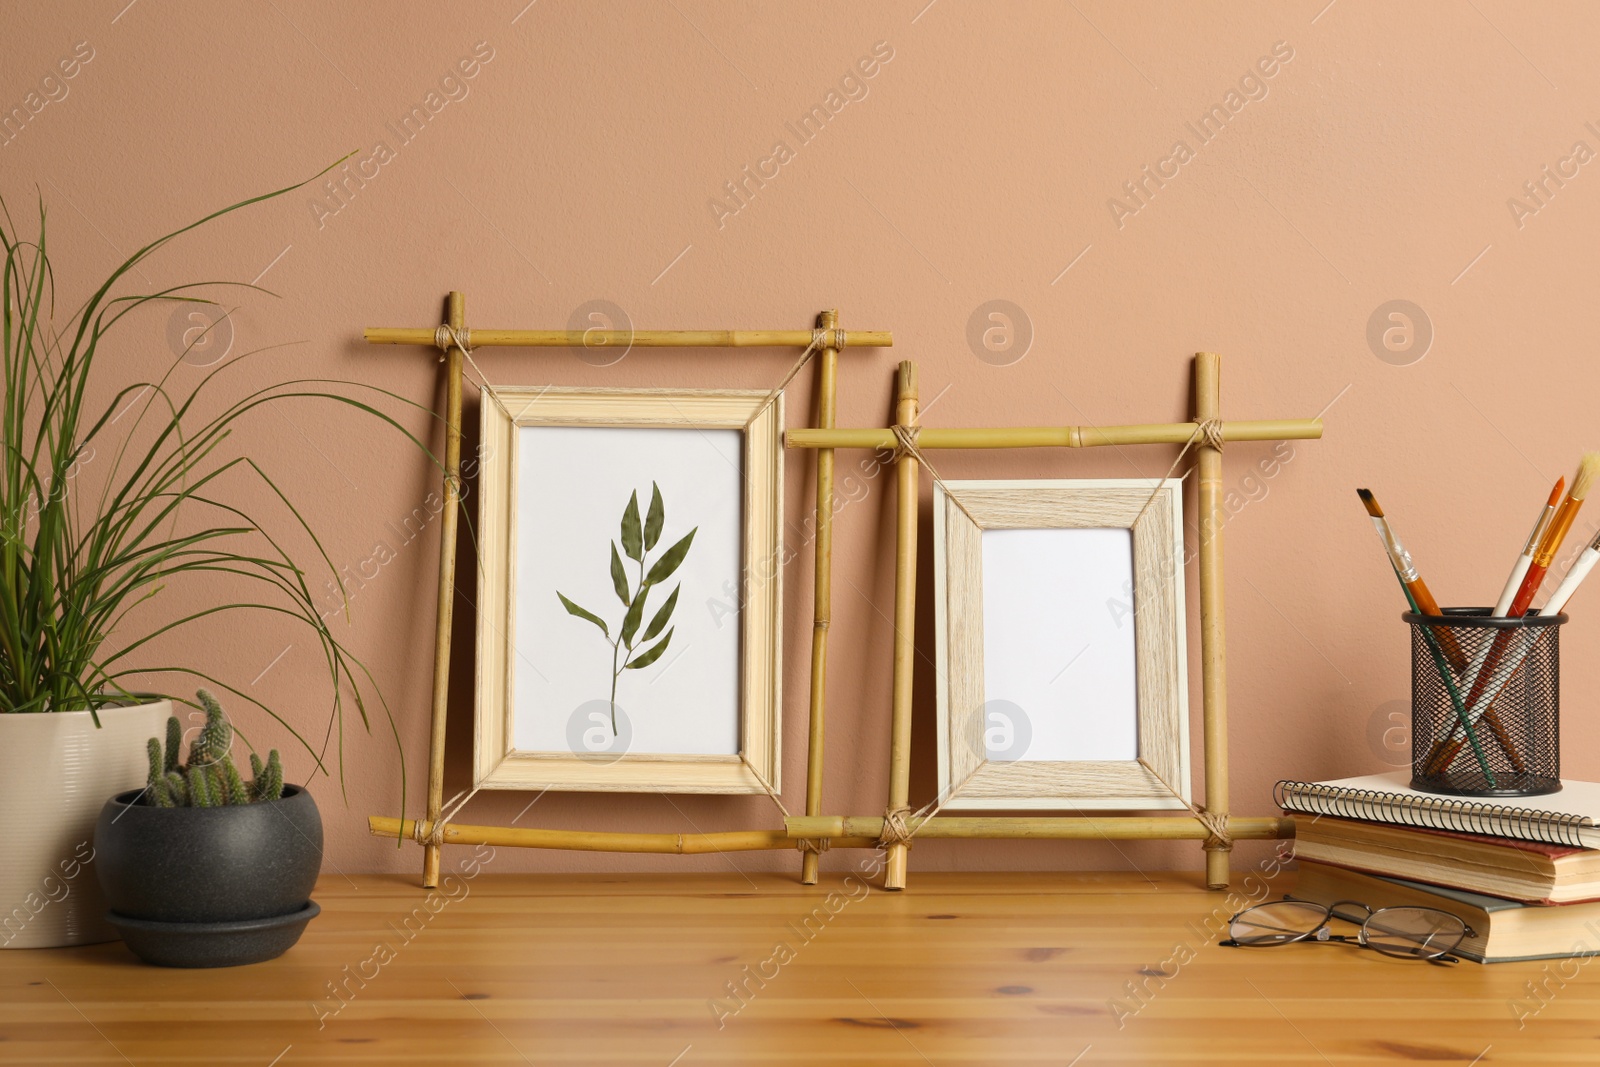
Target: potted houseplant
point(112, 492)
point(203, 867)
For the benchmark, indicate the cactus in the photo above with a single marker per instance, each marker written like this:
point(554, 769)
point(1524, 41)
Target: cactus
point(272, 788)
point(157, 769)
point(160, 789)
point(200, 789)
point(210, 779)
point(215, 737)
point(174, 744)
point(237, 793)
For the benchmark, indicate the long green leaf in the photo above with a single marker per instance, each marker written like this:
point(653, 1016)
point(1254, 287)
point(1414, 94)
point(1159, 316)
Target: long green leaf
point(655, 518)
point(662, 615)
point(632, 535)
point(644, 659)
point(670, 559)
point(573, 609)
point(630, 621)
point(73, 570)
point(619, 577)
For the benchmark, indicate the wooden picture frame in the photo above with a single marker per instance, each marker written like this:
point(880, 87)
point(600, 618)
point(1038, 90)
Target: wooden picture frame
point(522, 420)
point(1155, 771)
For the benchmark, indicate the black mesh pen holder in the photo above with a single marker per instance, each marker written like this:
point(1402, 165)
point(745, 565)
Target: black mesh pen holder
point(1485, 703)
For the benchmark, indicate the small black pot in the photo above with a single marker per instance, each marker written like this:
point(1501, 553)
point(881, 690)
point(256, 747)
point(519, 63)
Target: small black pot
point(198, 883)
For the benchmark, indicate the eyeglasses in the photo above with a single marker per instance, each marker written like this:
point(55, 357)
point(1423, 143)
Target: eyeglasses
point(1407, 933)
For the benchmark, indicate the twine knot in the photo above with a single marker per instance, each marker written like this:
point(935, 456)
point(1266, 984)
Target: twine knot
point(895, 829)
point(820, 339)
point(1216, 824)
point(446, 337)
point(1207, 431)
point(816, 845)
point(905, 438)
point(435, 832)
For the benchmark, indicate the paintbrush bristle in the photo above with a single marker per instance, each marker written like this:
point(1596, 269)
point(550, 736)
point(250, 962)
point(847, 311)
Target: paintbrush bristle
point(1555, 494)
point(1588, 470)
point(1370, 502)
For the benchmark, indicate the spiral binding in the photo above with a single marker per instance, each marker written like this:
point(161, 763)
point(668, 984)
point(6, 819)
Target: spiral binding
point(1443, 813)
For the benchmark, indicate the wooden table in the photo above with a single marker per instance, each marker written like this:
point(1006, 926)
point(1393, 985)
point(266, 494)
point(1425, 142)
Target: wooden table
point(993, 968)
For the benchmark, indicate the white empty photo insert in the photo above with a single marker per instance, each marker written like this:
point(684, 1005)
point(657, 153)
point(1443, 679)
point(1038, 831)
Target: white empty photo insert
point(1059, 644)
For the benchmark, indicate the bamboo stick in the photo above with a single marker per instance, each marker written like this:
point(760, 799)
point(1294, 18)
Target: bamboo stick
point(386, 335)
point(456, 316)
point(1116, 828)
point(1213, 637)
point(907, 473)
point(822, 594)
point(1171, 433)
point(596, 841)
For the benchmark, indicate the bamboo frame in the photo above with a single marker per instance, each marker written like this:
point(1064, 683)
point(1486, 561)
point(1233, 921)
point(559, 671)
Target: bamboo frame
point(607, 841)
point(866, 831)
point(1207, 370)
point(454, 360)
point(756, 767)
point(1152, 513)
point(1166, 433)
point(822, 595)
point(908, 476)
point(456, 315)
point(382, 335)
point(1213, 636)
point(1025, 827)
point(845, 831)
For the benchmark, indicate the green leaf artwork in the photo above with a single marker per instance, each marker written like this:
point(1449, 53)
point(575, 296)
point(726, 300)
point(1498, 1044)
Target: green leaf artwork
point(629, 649)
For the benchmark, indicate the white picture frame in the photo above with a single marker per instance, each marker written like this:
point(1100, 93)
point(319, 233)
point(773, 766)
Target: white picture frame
point(1074, 568)
point(562, 471)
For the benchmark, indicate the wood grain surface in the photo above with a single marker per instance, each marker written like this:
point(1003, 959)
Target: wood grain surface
point(992, 968)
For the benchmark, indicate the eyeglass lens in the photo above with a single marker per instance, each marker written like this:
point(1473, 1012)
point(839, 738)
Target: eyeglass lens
point(1414, 933)
point(1409, 933)
point(1277, 923)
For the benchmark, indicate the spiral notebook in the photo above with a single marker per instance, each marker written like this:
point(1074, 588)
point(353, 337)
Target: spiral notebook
point(1564, 818)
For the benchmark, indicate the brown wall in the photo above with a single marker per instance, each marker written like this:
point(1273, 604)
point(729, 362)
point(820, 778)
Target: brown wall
point(1377, 163)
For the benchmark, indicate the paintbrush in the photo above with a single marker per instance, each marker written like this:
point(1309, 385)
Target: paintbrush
point(1410, 585)
point(1520, 570)
point(1558, 600)
point(1549, 545)
point(1575, 575)
point(1406, 569)
point(1582, 482)
point(1513, 585)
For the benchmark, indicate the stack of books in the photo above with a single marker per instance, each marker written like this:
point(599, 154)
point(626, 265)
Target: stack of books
point(1526, 879)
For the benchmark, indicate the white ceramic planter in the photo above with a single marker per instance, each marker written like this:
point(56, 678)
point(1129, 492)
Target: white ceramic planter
point(56, 772)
